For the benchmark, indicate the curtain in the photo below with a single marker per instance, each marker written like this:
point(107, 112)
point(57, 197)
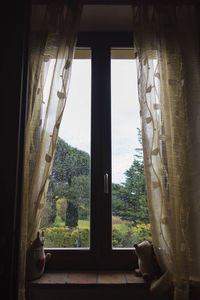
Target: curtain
point(53, 35)
point(166, 38)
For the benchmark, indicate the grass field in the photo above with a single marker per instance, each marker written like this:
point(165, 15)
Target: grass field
point(86, 224)
point(81, 223)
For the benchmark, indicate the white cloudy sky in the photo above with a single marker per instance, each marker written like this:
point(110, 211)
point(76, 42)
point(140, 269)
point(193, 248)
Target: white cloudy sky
point(75, 126)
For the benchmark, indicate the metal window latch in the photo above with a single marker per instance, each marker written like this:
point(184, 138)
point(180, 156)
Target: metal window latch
point(106, 183)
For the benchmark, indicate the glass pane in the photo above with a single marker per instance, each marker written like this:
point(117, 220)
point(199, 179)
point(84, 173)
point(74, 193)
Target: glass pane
point(130, 222)
point(66, 215)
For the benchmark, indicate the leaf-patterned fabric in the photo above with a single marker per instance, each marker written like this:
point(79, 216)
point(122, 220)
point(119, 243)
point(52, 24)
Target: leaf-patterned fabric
point(53, 36)
point(167, 44)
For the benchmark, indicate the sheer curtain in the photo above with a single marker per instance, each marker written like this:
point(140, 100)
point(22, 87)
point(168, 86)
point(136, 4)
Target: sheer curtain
point(52, 41)
point(167, 44)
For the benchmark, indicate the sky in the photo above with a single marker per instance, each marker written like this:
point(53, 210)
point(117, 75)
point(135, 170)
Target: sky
point(75, 125)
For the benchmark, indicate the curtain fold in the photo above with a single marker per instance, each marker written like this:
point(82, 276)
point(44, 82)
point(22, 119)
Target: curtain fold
point(54, 29)
point(167, 43)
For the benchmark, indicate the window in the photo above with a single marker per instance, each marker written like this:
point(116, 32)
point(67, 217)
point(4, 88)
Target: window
point(66, 216)
point(100, 251)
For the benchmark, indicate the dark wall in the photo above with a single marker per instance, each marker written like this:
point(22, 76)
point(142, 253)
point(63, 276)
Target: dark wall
point(13, 68)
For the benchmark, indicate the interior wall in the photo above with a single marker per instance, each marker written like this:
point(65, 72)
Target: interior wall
point(113, 18)
point(12, 68)
point(104, 18)
point(194, 212)
point(13, 31)
point(190, 44)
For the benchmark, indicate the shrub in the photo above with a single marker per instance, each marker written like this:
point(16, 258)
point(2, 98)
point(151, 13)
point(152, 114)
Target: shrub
point(58, 237)
point(123, 239)
point(61, 207)
point(123, 236)
point(62, 237)
point(127, 237)
point(117, 220)
point(81, 236)
point(142, 231)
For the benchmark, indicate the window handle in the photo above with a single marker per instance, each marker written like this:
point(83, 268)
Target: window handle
point(106, 183)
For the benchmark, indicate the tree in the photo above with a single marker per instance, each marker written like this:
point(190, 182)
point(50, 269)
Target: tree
point(69, 162)
point(135, 206)
point(71, 215)
point(61, 207)
point(129, 198)
point(49, 211)
point(119, 194)
point(78, 200)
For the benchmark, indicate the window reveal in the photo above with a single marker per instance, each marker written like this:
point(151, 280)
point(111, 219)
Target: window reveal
point(97, 252)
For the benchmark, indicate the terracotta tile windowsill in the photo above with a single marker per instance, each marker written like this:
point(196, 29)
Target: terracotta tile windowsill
point(89, 278)
point(90, 285)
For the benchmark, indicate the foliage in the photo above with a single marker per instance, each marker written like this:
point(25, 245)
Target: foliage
point(142, 231)
point(69, 175)
point(129, 198)
point(136, 187)
point(69, 162)
point(63, 237)
point(58, 237)
point(117, 220)
point(123, 239)
point(68, 201)
point(61, 207)
point(78, 194)
point(119, 197)
point(78, 200)
point(135, 204)
point(81, 236)
point(71, 215)
point(49, 211)
point(124, 236)
point(83, 223)
point(58, 222)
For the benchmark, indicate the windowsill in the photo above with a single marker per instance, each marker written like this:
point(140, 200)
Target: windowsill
point(89, 278)
point(90, 285)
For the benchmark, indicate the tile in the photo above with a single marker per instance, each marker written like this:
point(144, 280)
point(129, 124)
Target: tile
point(111, 277)
point(52, 278)
point(83, 277)
point(132, 278)
point(88, 277)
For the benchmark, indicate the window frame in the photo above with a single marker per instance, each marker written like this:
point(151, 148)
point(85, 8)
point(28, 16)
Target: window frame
point(100, 255)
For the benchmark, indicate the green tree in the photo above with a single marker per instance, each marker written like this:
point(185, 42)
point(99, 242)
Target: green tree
point(78, 200)
point(119, 194)
point(49, 211)
point(71, 215)
point(129, 198)
point(61, 207)
point(135, 205)
point(69, 162)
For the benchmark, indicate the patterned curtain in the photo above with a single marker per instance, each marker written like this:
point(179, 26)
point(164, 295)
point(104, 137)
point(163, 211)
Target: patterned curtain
point(53, 36)
point(167, 43)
